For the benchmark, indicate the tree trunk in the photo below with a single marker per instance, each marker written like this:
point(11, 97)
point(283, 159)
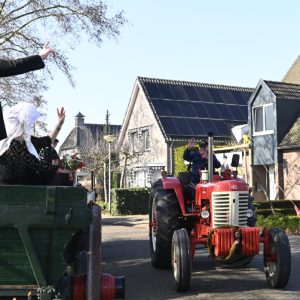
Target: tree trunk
point(123, 172)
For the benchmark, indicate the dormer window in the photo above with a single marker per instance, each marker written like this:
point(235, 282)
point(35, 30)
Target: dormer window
point(263, 120)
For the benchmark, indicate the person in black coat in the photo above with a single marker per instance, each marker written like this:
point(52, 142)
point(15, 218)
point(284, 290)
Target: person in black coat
point(199, 159)
point(20, 66)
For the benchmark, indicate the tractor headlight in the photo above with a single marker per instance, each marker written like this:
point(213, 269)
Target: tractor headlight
point(249, 213)
point(205, 214)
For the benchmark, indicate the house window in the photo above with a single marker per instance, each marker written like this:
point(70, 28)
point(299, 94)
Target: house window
point(133, 140)
point(146, 138)
point(263, 119)
point(139, 139)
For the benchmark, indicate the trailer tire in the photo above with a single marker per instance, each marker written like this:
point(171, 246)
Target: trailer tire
point(277, 265)
point(164, 211)
point(181, 260)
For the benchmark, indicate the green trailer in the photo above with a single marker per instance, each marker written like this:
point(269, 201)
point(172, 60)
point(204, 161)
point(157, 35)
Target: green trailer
point(50, 245)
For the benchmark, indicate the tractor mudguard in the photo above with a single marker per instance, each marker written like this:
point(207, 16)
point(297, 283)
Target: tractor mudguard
point(172, 183)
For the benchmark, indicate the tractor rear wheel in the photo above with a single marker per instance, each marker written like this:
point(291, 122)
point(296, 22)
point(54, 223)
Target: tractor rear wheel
point(163, 216)
point(277, 261)
point(181, 260)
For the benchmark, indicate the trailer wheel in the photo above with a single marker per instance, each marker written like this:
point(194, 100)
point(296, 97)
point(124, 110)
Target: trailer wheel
point(163, 216)
point(277, 263)
point(181, 260)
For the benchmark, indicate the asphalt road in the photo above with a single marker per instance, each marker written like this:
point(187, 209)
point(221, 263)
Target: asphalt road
point(126, 252)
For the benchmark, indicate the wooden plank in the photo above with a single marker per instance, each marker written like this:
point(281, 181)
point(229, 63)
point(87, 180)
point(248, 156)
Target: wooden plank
point(32, 257)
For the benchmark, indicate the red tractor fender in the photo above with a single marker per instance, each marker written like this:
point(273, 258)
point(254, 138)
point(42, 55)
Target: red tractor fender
point(172, 183)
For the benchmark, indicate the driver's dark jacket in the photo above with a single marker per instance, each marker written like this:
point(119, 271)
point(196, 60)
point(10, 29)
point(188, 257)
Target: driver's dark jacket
point(199, 163)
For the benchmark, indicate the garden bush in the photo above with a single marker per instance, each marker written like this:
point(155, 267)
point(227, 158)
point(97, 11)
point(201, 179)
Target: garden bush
point(276, 204)
point(283, 211)
point(130, 201)
point(289, 223)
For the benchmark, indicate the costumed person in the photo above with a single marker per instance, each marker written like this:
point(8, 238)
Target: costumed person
point(199, 159)
point(20, 66)
point(225, 165)
point(20, 162)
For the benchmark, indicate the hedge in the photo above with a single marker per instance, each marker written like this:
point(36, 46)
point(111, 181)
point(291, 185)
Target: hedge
point(276, 204)
point(289, 223)
point(282, 211)
point(284, 207)
point(179, 165)
point(131, 201)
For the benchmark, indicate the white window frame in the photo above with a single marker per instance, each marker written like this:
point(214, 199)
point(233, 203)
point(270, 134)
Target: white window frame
point(139, 134)
point(146, 134)
point(263, 132)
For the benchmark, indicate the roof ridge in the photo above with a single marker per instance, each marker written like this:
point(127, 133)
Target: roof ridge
point(282, 83)
point(102, 124)
point(193, 83)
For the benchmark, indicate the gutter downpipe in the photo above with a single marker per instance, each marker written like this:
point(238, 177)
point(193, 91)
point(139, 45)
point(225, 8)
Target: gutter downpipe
point(210, 156)
point(171, 158)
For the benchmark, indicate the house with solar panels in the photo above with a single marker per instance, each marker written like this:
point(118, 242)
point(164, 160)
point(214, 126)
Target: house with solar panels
point(274, 116)
point(165, 114)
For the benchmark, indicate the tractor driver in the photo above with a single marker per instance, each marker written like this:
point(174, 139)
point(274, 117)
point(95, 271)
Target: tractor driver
point(199, 159)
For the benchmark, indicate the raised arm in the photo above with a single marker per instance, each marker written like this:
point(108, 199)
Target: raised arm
point(24, 65)
point(61, 114)
point(20, 66)
point(188, 154)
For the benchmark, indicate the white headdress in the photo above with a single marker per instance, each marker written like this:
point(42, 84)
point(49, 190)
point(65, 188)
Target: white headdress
point(19, 120)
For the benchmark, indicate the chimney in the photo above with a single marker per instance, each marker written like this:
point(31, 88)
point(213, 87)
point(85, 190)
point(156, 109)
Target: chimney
point(79, 120)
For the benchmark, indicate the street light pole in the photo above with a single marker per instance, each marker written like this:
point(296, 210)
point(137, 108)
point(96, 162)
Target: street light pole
point(109, 139)
point(109, 177)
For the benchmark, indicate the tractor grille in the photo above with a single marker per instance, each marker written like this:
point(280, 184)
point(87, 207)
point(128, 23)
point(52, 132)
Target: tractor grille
point(229, 208)
point(243, 206)
point(221, 209)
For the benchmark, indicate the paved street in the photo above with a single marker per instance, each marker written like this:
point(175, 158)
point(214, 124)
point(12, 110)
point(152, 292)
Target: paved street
point(126, 252)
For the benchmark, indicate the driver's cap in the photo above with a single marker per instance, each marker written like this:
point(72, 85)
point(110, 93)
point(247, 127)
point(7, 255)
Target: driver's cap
point(203, 144)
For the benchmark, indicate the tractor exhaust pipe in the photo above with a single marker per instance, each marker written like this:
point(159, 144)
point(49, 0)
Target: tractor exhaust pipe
point(210, 156)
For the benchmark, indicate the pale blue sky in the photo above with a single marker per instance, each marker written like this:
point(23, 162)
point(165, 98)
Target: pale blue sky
point(230, 42)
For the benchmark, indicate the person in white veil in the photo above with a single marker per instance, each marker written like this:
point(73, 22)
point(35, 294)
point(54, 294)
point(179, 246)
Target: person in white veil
point(20, 162)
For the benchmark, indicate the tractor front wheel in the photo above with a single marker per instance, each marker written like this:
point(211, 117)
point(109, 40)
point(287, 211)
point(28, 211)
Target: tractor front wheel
point(277, 258)
point(181, 260)
point(164, 211)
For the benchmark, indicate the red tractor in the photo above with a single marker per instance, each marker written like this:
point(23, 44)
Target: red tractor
point(215, 217)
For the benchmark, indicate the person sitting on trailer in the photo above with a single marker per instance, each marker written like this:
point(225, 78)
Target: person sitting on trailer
point(199, 159)
point(20, 158)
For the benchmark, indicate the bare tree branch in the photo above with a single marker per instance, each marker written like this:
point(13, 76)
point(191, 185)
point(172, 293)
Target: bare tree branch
point(23, 25)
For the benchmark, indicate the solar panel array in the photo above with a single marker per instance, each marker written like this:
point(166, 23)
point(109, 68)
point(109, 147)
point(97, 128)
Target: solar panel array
point(192, 110)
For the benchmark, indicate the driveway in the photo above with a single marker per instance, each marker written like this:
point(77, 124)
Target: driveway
point(126, 252)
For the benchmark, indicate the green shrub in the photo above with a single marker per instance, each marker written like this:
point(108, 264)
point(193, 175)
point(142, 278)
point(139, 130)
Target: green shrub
point(130, 201)
point(115, 180)
point(289, 223)
point(268, 212)
point(179, 165)
point(104, 206)
point(276, 204)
